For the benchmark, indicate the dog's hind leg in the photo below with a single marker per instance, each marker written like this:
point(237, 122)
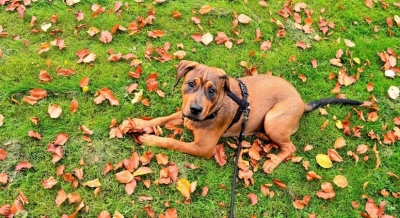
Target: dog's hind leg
point(279, 124)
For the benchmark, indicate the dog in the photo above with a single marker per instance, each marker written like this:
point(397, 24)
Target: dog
point(207, 111)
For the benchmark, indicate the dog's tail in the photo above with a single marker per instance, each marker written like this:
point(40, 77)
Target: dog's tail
point(310, 106)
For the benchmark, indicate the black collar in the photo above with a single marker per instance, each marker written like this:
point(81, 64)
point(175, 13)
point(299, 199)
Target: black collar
point(243, 103)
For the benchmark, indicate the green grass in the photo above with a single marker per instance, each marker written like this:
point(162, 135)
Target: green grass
point(20, 66)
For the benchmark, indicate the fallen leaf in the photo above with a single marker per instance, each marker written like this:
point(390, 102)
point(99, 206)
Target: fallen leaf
point(279, 183)
point(219, 155)
point(54, 111)
point(49, 183)
point(349, 43)
point(242, 18)
point(205, 9)
point(324, 161)
point(155, 34)
point(142, 171)
point(92, 183)
point(61, 197)
point(253, 198)
point(34, 134)
point(339, 143)
point(207, 38)
point(3, 154)
point(340, 181)
point(394, 92)
point(74, 198)
point(130, 187)
point(73, 106)
point(362, 148)
point(3, 178)
point(124, 176)
point(105, 37)
point(162, 159)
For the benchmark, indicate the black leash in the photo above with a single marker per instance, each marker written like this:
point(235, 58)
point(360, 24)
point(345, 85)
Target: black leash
point(244, 108)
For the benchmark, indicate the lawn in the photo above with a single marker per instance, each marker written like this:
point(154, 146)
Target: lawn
point(55, 54)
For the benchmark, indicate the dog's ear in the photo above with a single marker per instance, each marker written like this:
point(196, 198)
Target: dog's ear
point(183, 68)
point(223, 76)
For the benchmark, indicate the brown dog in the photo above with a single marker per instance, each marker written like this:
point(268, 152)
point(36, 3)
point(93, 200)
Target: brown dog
point(207, 111)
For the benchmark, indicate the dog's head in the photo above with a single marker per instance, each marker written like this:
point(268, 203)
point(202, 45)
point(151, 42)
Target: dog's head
point(203, 89)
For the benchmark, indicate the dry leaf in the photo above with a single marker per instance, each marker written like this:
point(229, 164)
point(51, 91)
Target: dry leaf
point(324, 161)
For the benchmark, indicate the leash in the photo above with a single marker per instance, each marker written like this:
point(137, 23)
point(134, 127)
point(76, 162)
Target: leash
point(244, 108)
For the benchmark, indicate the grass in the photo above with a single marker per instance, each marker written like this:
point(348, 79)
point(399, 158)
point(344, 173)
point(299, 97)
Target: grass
point(20, 66)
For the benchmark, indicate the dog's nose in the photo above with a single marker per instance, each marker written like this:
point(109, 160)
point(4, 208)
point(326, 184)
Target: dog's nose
point(195, 109)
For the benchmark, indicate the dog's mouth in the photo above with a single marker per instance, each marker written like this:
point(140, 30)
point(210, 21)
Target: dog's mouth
point(192, 118)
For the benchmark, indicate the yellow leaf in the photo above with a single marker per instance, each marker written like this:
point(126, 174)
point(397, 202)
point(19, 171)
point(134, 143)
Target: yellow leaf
point(92, 183)
point(339, 124)
point(357, 60)
point(324, 161)
point(142, 171)
point(184, 187)
point(340, 181)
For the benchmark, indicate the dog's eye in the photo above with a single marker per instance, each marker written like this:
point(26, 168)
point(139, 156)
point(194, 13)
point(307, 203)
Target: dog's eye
point(211, 91)
point(191, 84)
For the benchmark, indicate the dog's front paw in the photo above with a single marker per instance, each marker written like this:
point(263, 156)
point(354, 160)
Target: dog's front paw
point(140, 125)
point(148, 140)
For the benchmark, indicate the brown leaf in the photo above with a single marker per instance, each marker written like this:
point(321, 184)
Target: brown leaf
point(34, 134)
point(74, 198)
point(162, 159)
point(124, 177)
point(61, 197)
point(104, 214)
point(61, 138)
point(219, 155)
point(334, 156)
point(361, 149)
point(107, 168)
point(369, 3)
point(49, 183)
point(23, 165)
point(339, 143)
point(279, 183)
point(205, 9)
point(155, 34)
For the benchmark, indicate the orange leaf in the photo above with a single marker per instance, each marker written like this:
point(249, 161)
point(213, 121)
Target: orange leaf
point(107, 168)
point(86, 130)
point(312, 175)
point(34, 134)
point(124, 177)
point(44, 76)
point(334, 156)
point(253, 198)
point(308, 147)
point(84, 82)
point(73, 106)
point(23, 165)
point(3, 154)
point(3, 178)
point(339, 143)
point(49, 183)
point(279, 183)
point(61, 197)
point(205, 9)
point(74, 198)
point(54, 111)
point(370, 87)
point(340, 181)
point(162, 159)
point(61, 138)
point(104, 214)
point(219, 155)
point(204, 191)
point(155, 34)
point(149, 211)
point(361, 149)
point(369, 3)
